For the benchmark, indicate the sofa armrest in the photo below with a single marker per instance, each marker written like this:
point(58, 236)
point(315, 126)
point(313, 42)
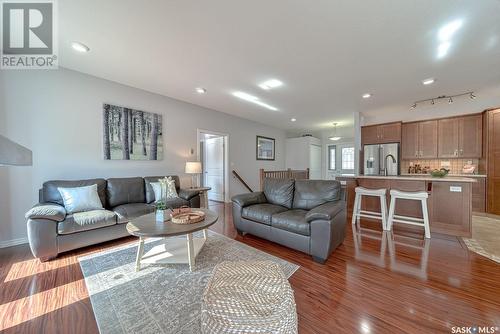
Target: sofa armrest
point(248, 199)
point(326, 211)
point(187, 194)
point(49, 211)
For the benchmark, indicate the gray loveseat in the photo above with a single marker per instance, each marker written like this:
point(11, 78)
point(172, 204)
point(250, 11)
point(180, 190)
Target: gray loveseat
point(306, 215)
point(51, 231)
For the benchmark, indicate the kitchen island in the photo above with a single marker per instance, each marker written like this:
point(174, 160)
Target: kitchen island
point(449, 202)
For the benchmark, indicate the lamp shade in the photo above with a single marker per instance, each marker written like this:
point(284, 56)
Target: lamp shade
point(14, 154)
point(193, 167)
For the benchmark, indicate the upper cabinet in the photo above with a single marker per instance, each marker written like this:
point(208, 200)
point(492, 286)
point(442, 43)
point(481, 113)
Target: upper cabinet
point(419, 140)
point(460, 137)
point(381, 134)
point(470, 138)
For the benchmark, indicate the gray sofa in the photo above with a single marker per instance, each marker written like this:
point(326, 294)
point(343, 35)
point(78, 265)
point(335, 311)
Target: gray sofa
point(306, 215)
point(51, 231)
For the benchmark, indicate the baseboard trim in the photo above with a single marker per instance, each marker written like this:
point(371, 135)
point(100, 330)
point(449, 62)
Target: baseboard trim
point(13, 242)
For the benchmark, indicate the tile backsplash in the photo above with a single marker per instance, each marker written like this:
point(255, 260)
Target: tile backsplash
point(455, 165)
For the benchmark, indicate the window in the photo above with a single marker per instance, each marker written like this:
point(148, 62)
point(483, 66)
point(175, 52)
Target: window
point(348, 158)
point(332, 149)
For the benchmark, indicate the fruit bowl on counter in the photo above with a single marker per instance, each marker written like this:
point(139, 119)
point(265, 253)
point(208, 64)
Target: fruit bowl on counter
point(440, 172)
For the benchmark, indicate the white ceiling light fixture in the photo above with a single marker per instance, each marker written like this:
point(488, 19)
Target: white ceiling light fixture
point(429, 81)
point(253, 99)
point(367, 95)
point(270, 84)
point(335, 137)
point(80, 47)
point(432, 101)
point(201, 90)
point(293, 120)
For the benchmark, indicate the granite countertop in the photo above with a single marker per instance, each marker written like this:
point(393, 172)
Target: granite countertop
point(419, 177)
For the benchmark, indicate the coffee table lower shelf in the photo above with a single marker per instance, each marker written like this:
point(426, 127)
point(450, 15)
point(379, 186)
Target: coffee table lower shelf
point(171, 250)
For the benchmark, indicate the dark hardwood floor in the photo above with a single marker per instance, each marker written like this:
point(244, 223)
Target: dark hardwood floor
point(373, 283)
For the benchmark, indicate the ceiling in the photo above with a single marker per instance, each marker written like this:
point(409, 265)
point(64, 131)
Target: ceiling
point(327, 53)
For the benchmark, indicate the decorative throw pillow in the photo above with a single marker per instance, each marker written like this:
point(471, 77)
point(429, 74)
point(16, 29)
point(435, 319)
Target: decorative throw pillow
point(80, 199)
point(159, 191)
point(170, 185)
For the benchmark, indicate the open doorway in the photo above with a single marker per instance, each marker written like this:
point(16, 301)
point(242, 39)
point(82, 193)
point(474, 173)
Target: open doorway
point(212, 153)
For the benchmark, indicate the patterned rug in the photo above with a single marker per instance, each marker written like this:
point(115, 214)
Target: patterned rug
point(485, 236)
point(158, 299)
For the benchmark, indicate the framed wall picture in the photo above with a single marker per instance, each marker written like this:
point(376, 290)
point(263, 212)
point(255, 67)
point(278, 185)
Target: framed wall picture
point(130, 134)
point(265, 148)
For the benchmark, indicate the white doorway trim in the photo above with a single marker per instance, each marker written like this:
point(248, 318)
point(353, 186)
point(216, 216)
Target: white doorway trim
point(199, 133)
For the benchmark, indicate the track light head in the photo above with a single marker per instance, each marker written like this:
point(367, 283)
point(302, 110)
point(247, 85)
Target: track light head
point(432, 102)
point(472, 96)
point(450, 100)
point(414, 106)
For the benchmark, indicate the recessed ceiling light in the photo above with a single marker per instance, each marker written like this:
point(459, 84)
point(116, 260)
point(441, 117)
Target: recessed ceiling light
point(253, 99)
point(293, 120)
point(428, 81)
point(201, 90)
point(367, 95)
point(270, 84)
point(80, 47)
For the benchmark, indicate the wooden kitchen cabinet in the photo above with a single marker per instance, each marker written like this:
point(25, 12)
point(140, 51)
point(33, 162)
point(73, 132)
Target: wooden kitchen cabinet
point(493, 155)
point(448, 138)
point(451, 205)
point(460, 137)
point(381, 134)
point(479, 195)
point(419, 140)
point(470, 136)
point(369, 135)
point(427, 139)
point(409, 140)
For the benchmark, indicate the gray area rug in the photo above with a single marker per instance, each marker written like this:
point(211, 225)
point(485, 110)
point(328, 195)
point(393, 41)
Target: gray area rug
point(158, 299)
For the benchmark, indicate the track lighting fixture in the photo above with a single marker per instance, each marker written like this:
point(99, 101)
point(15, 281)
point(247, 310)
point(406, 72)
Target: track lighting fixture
point(432, 101)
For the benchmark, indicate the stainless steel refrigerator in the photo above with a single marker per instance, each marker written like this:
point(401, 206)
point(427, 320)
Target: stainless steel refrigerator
point(377, 156)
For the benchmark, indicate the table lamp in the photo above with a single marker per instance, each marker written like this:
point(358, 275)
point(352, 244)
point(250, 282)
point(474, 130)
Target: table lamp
point(193, 168)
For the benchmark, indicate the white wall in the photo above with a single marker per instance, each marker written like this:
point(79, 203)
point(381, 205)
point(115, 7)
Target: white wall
point(58, 115)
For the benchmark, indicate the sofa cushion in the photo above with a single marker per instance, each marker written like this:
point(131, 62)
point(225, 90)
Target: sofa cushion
point(126, 212)
point(279, 191)
point(177, 202)
point(292, 221)
point(84, 221)
point(51, 194)
point(150, 195)
point(81, 199)
point(261, 213)
point(125, 190)
point(311, 193)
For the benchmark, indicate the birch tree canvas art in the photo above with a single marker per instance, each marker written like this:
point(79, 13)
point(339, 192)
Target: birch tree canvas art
point(131, 134)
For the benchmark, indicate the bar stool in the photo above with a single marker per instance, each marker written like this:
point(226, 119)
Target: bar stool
point(416, 196)
point(357, 212)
